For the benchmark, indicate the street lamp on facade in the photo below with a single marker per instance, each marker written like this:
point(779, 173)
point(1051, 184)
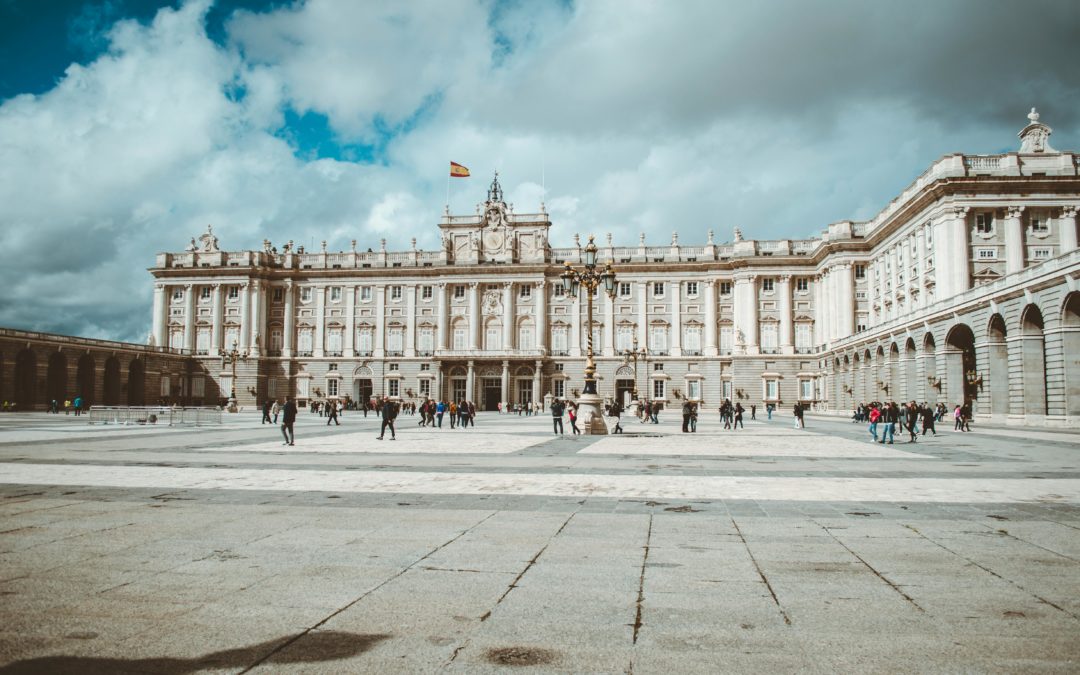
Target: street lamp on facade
point(230, 357)
point(632, 355)
point(590, 405)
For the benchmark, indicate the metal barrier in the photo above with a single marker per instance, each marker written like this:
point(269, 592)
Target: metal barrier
point(163, 415)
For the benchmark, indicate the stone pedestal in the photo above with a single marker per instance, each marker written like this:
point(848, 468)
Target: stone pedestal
point(590, 409)
point(232, 406)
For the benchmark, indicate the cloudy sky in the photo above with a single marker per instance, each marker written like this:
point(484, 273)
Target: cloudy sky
point(128, 125)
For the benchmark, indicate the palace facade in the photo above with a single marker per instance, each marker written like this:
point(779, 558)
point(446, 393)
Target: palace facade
point(964, 287)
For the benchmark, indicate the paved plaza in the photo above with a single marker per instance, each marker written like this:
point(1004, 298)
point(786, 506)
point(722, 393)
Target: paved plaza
point(504, 547)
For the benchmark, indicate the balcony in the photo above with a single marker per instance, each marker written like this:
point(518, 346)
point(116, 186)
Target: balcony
point(394, 352)
point(691, 352)
point(363, 353)
point(425, 352)
point(334, 354)
point(303, 353)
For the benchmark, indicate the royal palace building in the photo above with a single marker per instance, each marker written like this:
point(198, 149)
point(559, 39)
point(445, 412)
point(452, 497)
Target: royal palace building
point(963, 288)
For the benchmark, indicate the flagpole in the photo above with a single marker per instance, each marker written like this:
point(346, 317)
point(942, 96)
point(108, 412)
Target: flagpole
point(448, 192)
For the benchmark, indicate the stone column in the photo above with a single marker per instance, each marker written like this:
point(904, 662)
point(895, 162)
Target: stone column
point(508, 317)
point(349, 338)
point(380, 322)
point(410, 321)
point(746, 315)
point(289, 339)
point(469, 382)
point(711, 348)
point(439, 395)
point(474, 317)
point(920, 260)
point(820, 319)
point(443, 325)
point(1068, 229)
point(676, 318)
point(504, 385)
point(783, 291)
point(319, 348)
point(1014, 239)
point(161, 312)
point(643, 314)
point(257, 306)
point(575, 325)
point(245, 316)
point(189, 317)
point(845, 300)
point(218, 318)
point(537, 369)
point(609, 324)
point(961, 251)
point(541, 315)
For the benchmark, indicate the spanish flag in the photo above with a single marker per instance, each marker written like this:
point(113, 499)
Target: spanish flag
point(458, 171)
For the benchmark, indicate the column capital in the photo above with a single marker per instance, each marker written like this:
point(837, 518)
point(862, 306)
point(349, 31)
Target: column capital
point(1014, 211)
point(784, 278)
point(540, 284)
point(1068, 211)
point(508, 285)
point(960, 211)
point(474, 284)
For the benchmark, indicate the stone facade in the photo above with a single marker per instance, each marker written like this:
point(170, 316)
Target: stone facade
point(962, 287)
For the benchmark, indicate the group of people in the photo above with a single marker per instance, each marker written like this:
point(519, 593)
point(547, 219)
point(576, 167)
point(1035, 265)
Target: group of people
point(519, 409)
point(462, 413)
point(913, 417)
point(76, 405)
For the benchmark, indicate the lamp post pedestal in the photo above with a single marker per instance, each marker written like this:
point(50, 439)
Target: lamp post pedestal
point(590, 409)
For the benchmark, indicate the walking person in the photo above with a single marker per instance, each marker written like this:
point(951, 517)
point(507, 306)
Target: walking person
point(753, 412)
point(440, 410)
point(453, 412)
point(875, 416)
point(556, 415)
point(911, 421)
point(800, 422)
point(78, 403)
point(571, 413)
point(686, 417)
point(892, 418)
point(958, 424)
point(739, 410)
point(616, 412)
point(287, 420)
point(693, 418)
point(275, 410)
point(331, 413)
point(656, 412)
point(928, 420)
point(389, 414)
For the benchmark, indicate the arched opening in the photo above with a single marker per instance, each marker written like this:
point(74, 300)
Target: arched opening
point(136, 382)
point(111, 393)
point(1070, 326)
point(1033, 357)
point(924, 377)
point(913, 386)
point(869, 387)
point(363, 385)
point(997, 366)
point(25, 380)
point(56, 379)
point(894, 380)
point(84, 378)
point(961, 370)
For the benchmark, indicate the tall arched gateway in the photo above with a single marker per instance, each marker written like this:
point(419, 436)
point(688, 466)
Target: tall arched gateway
point(25, 394)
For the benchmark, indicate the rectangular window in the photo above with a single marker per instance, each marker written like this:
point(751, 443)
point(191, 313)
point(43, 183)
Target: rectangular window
point(425, 341)
point(365, 294)
point(166, 385)
point(658, 367)
point(393, 388)
point(459, 291)
point(305, 294)
point(624, 338)
point(558, 388)
point(658, 342)
point(459, 339)
point(984, 223)
point(806, 390)
point(558, 339)
point(178, 294)
point(426, 292)
point(525, 291)
point(658, 389)
point(725, 389)
point(364, 340)
point(303, 386)
point(802, 284)
point(425, 366)
point(768, 337)
point(772, 388)
point(275, 339)
point(986, 253)
point(493, 338)
point(204, 292)
point(692, 340)
point(624, 289)
point(725, 288)
point(525, 337)
point(333, 341)
point(559, 291)
point(332, 387)
point(767, 285)
point(425, 388)
point(304, 343)
point(395, 340)
point(802, 337)
point(691, 289)
point(693, 390)
point(335, 294)
point(202, 341)
point(1038, 223)
point(234, 292)
point(393, 366)
point(395, 292)
point(1040, 253)
point(226, 386)
point(860, 295)
point(726, 333)
point(198, 386)
point(658, 289)
point(558, 367)
point(279, 294)
point(860, 271)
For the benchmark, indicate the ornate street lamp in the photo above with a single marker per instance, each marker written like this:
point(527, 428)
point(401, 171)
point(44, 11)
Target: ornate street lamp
point(230, 357)
point(633, 355)
point(590, 405)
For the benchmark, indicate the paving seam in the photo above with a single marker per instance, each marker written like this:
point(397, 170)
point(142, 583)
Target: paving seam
point(870, 567)
point(761, 573)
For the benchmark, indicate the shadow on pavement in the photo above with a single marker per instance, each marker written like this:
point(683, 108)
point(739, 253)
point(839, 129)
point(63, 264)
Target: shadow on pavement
point(310, 648)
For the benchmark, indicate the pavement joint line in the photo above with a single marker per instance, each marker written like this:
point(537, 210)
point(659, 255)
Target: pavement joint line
point(512, 586)
point(1005, 533)
point(365, 594)
point(994, 574)
point(761, 573)
point(870, 567)
point(641, 583)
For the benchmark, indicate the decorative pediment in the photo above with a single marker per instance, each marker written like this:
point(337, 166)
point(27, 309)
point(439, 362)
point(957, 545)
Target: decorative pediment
point(803, 318)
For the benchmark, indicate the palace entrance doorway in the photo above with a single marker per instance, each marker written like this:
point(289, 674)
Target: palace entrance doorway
point(491, 392)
